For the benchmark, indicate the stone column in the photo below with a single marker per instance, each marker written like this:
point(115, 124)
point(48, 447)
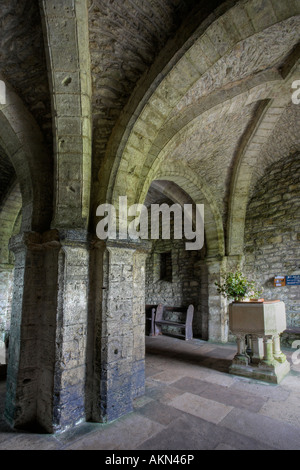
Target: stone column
point(241, 358)
point(257, 349)
point(138, 368)
point(278, 354)
point(120, 330)
point(69, 406)
point(47, 349)
point(217, 305)
point(203, 298)
point(268, 359)
point(24, 345)
point(6, 284)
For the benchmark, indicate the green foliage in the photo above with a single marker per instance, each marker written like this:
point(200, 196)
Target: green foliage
point(236, 286)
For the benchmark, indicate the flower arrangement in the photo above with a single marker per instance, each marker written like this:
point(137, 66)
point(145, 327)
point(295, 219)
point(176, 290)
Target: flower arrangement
point(237, 287)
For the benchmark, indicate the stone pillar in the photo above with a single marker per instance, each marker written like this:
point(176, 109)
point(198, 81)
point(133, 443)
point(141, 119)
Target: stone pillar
point(217, 304)
point(257, 349)
point(47, 348)
point(6, 284)
point(203, 298)
point(268, 358)
point(138, 368)
point(272, 351)
point(120, 330)
point(278, 354)
point(24, 344)
point(241, 357)
point(69, 406)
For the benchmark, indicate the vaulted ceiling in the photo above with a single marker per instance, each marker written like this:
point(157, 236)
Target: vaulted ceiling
point(22, 58)
point(125, 39)
point(133, 46)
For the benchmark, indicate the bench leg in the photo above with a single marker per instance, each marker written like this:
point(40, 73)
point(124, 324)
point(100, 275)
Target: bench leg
point(157, 330)
point(188, 333)
point(152, 325)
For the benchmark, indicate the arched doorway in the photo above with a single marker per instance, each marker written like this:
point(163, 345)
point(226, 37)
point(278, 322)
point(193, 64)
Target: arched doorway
point(174, 275)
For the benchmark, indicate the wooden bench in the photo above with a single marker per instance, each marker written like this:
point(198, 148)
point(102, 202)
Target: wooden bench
point(161, 319)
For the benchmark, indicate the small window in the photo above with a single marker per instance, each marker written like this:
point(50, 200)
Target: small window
point(166, 266)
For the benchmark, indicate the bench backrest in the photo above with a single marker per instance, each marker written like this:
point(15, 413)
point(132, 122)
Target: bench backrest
point(189, 315)
point(160, 310)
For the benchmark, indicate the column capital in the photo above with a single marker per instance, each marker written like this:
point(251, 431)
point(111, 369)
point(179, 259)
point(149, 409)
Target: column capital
point(74, 237)
point(33, 240)
point(229, 262)
point(218, 261)
point(52, 238)
point(6, 267)
point(143, 246)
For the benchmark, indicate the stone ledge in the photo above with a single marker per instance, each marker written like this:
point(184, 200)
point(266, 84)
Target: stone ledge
point(272, 375)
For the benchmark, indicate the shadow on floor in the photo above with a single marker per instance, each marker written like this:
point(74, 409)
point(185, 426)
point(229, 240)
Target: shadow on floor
point(211, 356)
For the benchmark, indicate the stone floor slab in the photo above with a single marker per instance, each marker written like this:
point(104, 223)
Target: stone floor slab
point(273, 432)
point(204, 408)
point(218, 378)
point(191, 385)
point(287, 411)
point(141, 401)
point(192, 433)
point(29, 442)
point(233, 398)
point(126, 434)
point(224, 447)
point(291, 382)
point(161, 392)
point(167, 377)
point(151, 370)
point(160, 412)
point(260, 389)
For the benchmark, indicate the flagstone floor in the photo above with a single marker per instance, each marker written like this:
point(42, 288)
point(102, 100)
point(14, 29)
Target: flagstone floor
point(191, 403)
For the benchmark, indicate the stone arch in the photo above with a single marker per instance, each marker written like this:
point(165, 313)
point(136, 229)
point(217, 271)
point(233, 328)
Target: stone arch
point(247, 160)
point(9, 216)
point(21, 139)
point(186, 190)
point(199, 194)
point(70, 86)
point(212, 314)
point(246, 21)
point(200, 17)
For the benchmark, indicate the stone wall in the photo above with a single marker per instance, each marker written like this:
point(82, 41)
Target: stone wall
point(272, 233)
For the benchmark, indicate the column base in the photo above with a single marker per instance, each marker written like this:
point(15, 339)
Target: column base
point(272, 374)
point(241, 360)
